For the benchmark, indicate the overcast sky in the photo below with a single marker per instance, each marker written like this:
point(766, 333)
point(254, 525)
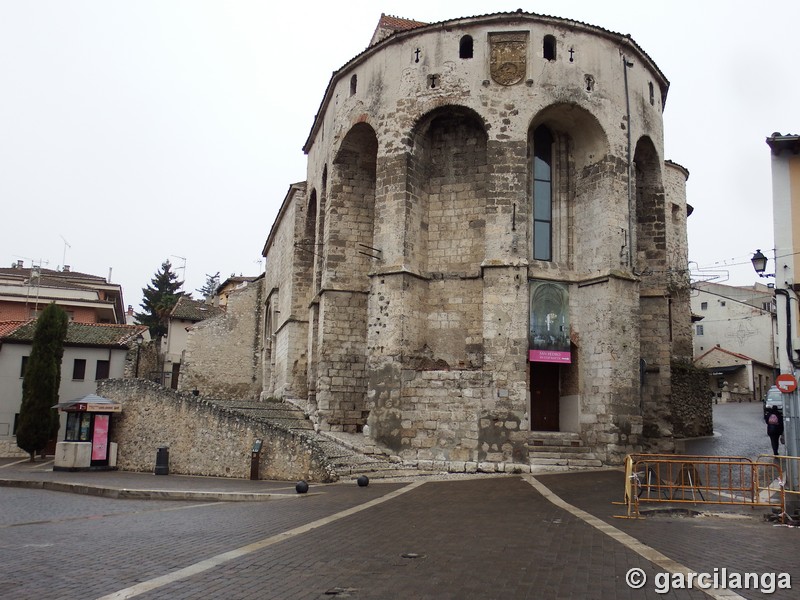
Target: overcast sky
point(135, 132)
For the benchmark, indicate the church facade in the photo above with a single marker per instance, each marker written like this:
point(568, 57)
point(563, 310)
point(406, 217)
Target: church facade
point(489, 249)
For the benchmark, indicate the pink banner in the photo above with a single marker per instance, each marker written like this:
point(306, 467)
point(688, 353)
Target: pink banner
point(551, 356)
point(100, 438)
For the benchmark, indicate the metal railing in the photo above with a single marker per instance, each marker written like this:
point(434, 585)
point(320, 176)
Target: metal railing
point(695, 479)
point(788, 465)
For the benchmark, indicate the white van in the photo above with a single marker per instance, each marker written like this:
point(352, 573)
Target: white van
point(774, 397)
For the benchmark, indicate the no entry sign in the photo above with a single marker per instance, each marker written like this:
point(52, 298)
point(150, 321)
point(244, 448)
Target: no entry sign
point(786, 383)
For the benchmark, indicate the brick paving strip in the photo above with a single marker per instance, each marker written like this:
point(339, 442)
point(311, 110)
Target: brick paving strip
point(654, 556)
point(220, 559)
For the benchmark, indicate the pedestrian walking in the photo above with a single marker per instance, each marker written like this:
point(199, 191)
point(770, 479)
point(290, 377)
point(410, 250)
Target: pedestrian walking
point(774, 420)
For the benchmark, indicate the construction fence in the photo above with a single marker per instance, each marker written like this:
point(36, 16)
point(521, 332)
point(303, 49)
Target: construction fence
point(691, 479)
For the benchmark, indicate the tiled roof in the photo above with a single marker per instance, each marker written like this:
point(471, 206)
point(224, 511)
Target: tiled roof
point(6, 327)
point(194, 310)
point(78, 334)
point(398, 23)
point(50, 273)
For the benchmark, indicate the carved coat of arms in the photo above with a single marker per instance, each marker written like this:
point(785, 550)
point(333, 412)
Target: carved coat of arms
point(509, 57)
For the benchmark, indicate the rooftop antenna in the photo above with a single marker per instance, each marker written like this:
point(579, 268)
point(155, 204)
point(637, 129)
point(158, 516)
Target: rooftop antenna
point(183, 268)
point(259, 262)
point(64, 255)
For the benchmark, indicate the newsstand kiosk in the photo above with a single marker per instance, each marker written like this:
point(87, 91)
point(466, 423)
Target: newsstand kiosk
point(86, 446)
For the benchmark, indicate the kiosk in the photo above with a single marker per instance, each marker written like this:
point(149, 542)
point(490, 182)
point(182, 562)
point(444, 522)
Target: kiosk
point(86, 445)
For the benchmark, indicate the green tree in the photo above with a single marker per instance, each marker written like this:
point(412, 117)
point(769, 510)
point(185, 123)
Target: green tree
point(38, 421)
point(210, 288)
point(159, 298)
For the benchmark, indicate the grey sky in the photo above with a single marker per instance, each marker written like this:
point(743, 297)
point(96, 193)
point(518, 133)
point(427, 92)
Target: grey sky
point(132, 132)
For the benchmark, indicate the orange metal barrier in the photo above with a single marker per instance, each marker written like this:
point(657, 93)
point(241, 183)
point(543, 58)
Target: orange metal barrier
point(681, 479)
point(788, 464)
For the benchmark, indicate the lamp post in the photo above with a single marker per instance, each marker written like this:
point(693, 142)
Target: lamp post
point(791, 404)
point(760, 264)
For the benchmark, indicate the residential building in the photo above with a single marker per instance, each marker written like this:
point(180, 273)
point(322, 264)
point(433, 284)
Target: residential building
point(785, 154)
point(736, 377)
point(489, 250)
point(25, 291)
point(736, 324)
point(92, 352)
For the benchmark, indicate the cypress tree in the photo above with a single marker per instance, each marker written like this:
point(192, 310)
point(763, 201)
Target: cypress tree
point(38, 421)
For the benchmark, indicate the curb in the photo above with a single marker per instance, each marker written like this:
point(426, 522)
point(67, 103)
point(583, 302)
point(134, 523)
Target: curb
point(134, 494)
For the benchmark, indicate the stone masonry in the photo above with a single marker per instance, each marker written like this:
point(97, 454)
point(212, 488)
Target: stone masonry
point(396, 293)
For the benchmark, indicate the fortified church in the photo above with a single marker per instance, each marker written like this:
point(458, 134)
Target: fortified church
point(489, 253)
point(486, 267)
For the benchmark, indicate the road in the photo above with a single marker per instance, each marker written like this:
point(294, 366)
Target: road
point(739, 430)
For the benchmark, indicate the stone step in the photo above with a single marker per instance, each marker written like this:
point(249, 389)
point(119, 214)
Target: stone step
point(582, 453)
point(564, 441)
point(537, 450)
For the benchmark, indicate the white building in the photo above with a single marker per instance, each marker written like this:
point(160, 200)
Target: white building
point(92, 352)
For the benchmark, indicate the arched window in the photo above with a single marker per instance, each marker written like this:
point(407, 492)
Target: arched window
point(465, 47)
point(549, 47)
point(542, 194)
point(353, 84)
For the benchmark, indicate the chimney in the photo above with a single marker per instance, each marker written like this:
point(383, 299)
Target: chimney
point(18, 265)
point(66, 268)
point(130, 310)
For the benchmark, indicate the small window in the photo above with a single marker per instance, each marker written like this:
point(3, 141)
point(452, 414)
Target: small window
point(103, 369)
point(722, 303)
point(699, 330)
point(79, 369)
point(465, 47)
point(704, 306)
point(23, 365)
point(353, 85)
point(549, 47)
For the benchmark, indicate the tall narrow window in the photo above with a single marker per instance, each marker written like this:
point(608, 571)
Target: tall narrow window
point(542, 194)
point(465, 47)
point(79, 369)
point(353, 85)
point(549, 47)
point(103, 370)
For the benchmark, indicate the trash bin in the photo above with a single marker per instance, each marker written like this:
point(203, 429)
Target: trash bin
point(162, 461)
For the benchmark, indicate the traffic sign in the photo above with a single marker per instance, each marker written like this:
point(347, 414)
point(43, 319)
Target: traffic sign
point(786, 383)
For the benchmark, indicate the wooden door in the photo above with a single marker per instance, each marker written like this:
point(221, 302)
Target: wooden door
point(544, 396)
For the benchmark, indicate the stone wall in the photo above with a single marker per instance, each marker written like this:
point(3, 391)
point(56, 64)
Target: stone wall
point(223, 354)
point(203, 438)
point(419, 322)
point(692, 397)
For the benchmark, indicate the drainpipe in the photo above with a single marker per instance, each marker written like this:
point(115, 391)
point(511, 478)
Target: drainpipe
point(626, 64)
point(791, 410)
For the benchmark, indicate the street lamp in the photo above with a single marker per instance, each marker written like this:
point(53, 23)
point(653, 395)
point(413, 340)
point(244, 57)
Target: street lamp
point(139, 340)
point(760, 264)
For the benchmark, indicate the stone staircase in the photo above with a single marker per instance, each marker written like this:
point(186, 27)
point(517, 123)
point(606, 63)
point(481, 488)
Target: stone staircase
point(559, 450)
point(350, 455)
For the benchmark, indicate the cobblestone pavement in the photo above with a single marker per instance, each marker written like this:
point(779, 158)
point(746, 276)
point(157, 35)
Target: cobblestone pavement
point(490, 537)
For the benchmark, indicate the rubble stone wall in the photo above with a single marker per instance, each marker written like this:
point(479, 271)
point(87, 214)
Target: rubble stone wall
point(203, 438)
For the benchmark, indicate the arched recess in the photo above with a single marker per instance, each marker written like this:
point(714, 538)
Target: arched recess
point(341, 381)
point(651, 233)
point(569, 174)
point(446, 236)
point(655, 303)
point(566, 170)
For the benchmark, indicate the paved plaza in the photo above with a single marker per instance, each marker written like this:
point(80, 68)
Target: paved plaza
point(128, 535)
